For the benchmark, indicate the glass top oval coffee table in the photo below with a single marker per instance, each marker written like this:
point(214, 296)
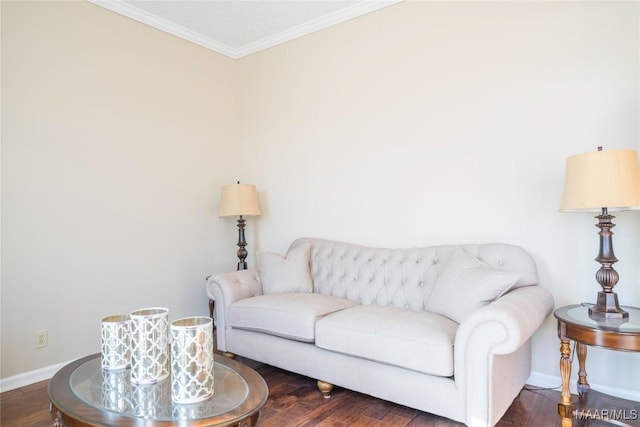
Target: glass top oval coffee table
point(82, 394)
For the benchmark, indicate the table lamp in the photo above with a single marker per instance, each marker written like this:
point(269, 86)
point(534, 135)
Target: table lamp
point(240, 200)
point(596, 182)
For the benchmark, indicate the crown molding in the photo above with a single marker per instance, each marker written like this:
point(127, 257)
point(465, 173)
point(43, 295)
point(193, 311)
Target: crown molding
point(315, 25)
point(162, 24)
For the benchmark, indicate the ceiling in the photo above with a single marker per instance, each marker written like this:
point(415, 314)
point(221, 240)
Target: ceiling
point(237, 28)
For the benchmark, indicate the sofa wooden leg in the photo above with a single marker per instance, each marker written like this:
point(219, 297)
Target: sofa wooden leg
point(325, 389)
point(229, 355)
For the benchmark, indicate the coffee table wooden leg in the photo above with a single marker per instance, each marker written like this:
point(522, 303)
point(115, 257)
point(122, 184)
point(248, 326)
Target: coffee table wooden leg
point(565, 409)
point(56, 417)
point(250, 421)
point(583, 385)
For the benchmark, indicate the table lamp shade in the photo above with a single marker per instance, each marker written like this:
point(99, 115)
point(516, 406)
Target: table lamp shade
point(602, 179)
point(239, 199)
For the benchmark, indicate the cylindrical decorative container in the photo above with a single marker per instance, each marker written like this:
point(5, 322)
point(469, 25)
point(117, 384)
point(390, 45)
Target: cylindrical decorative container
point(115, 343)
point(191, 359)
point(149, 345)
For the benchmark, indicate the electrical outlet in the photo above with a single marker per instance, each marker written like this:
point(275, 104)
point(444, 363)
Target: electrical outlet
point(42, 338)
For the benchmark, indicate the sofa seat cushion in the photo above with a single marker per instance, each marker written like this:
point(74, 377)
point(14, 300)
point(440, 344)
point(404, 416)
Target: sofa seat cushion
point(291, 315)
point(406, 338)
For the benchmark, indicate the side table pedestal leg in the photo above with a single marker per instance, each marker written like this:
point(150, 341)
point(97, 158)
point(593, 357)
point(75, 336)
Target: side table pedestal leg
point(565, 409)
point(583, 385)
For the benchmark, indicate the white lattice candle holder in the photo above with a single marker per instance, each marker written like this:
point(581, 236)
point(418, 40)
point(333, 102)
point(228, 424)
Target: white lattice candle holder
point(115, 342)
point(191, 359)
point(150, 345)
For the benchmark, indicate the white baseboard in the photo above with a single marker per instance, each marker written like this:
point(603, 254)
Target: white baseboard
point(553, 381)
point(30, 377)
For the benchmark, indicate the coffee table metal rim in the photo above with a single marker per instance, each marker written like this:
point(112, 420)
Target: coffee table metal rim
point(68, 403)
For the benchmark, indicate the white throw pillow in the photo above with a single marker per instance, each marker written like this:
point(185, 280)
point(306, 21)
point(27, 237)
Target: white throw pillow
point(466, 284)
point(286, 274)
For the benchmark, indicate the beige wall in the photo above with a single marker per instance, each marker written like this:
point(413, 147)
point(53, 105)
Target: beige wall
point(419, 124)
point(449, 122)
point(116, 138)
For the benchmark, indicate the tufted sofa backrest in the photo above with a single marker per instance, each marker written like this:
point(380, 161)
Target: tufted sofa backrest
point(400, 277)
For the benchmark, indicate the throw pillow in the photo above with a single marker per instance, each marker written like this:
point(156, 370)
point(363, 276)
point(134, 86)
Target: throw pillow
point(288, 273)
point(466, 284)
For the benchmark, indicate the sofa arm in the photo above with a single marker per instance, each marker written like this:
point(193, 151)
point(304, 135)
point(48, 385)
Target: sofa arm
point(225, 289)
point(492, 350)
point(519, 314)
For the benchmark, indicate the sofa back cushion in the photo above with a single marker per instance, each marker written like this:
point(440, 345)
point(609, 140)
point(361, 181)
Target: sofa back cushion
point(289, 273)
point(400, 277)
point(467, 284)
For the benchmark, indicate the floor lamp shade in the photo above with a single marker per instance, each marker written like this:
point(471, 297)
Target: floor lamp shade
point(596, 182)
point(239, 199)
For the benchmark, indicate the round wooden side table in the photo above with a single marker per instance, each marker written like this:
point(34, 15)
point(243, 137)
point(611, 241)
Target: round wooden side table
point(575, 324)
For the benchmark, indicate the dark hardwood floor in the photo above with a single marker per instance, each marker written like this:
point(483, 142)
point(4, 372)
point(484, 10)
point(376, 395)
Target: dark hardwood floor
point(295, 401)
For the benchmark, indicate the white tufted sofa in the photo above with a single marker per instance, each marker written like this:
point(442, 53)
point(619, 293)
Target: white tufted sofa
point(366, 326)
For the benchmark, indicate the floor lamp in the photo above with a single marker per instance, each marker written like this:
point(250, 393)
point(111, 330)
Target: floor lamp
point(599, 181)
point(240, 200)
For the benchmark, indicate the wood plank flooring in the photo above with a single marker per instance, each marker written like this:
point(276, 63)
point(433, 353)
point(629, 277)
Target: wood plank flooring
point(294, 401)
